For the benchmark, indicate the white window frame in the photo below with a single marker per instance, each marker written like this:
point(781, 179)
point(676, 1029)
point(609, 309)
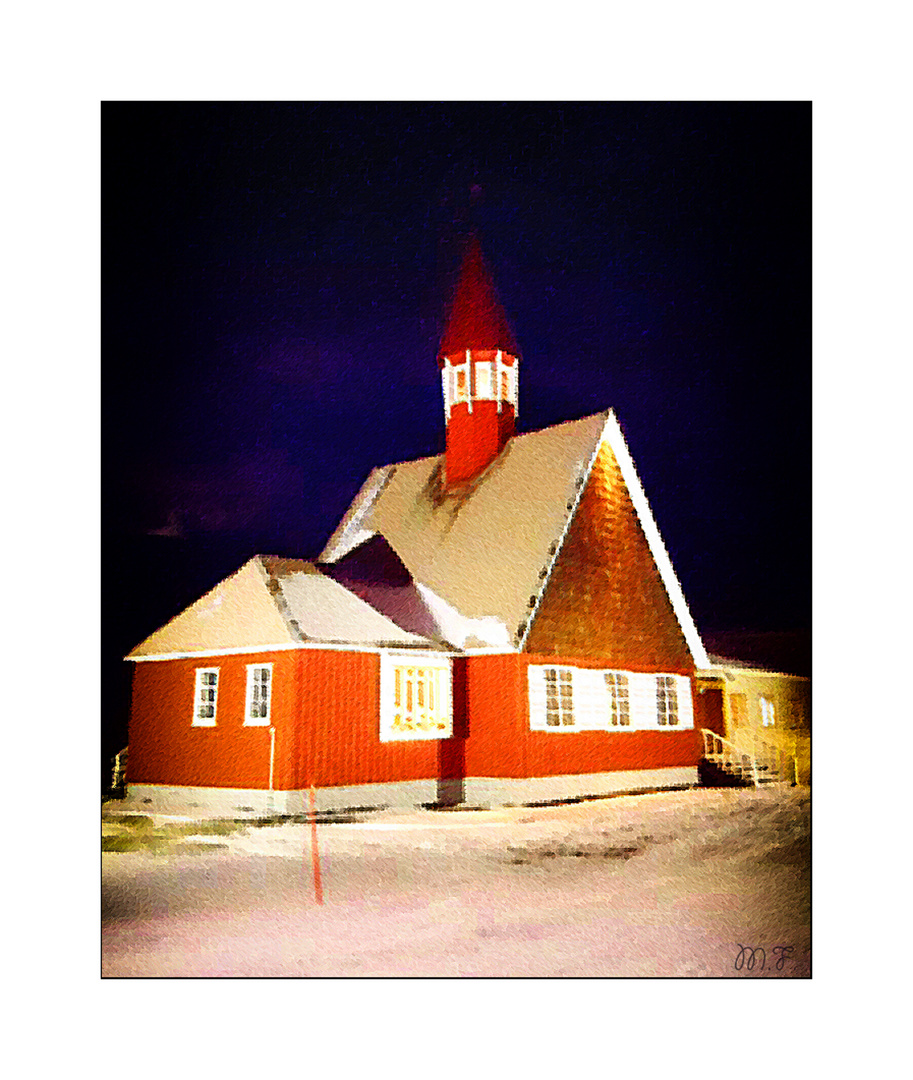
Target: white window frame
point(618, 690)
point(252, 684)
point(423, 709)
point(595, 698)
point(200, 688)
point(562, 717)
point(484, 380)
point(768, 711)
point(667, 702)
point(568, 717)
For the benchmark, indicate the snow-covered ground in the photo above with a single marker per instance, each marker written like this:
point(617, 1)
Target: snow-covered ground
point(670, 884)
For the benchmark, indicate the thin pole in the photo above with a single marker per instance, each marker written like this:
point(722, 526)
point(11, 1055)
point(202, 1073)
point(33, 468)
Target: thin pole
point(272, 757)
point(315, 855)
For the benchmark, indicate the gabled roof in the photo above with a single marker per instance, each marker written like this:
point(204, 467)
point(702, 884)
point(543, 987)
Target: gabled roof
point(272, 603)
point(476, 319)
point(481, 556)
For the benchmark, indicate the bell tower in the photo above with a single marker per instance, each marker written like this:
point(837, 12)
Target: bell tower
point(479, 362)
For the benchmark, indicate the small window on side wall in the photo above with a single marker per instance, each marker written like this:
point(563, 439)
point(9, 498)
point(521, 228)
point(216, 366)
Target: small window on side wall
point(768, 718)
point(619, 698)
point(666, 701)
point(559, 697)
point(205, 697)
point(258, 705)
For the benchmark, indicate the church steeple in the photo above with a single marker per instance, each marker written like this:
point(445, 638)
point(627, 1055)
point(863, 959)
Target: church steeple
point(478, 357)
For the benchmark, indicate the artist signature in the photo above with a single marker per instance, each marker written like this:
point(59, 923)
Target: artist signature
point(755, 958)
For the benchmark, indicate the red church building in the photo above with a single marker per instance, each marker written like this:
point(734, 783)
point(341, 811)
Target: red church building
point(500, 624)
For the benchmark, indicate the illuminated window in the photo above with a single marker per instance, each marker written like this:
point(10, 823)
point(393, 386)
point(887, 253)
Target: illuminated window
point(619, 699)
point(415, 700)
point(559, 697)
point(259, 695)
point(483, 380)
point(767, 712)
point(205, 697)
point(505, 386)
point(666, 701)
point(462, 389)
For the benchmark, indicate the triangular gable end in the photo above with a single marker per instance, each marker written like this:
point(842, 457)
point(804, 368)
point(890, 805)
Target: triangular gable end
point(238, 614)
point(611, 589)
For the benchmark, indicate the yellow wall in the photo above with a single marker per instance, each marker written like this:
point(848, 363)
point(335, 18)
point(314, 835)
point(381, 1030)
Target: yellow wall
point(791, 697)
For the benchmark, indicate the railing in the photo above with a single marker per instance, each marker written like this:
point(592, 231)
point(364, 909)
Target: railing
point(728, 756)
point(765, 757)
point(119, 770)
point(774, 758)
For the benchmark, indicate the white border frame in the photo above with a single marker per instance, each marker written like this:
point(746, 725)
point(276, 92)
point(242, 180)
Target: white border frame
point(592, 700)
point(197, 687)
point(391, 660)
point(265, 722)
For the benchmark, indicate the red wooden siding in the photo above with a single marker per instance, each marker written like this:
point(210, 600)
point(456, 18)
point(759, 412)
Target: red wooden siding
point(339, 727)
point(325, 710)
point(165, 747)
point(501, 744)
point(326, 713)
point(605, 598)
point(474, 439)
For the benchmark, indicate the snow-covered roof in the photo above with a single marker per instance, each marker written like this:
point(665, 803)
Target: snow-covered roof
point(721, 666)
point(481, 555)
point(272, 603)
point(319, 609)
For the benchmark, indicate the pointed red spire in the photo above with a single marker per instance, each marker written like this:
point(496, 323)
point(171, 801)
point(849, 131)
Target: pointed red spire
point(477, 320)
point(479, 363)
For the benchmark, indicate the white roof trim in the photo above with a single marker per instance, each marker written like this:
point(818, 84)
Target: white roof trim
point(349, 533)
point(326, 646)
point(611, 434)
point(583, 476)
point(714, 671)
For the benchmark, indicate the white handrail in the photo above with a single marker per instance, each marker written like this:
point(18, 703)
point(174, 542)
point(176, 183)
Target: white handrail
point(716, 748)
point(722, 751)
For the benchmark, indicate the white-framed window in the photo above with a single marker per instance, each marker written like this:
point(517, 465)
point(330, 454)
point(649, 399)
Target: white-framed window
point(565, 698)
point(206, 697)
point(484, 384)
point(461, 383)
point(666, 701)
point(559, 697)
point(259, 697)
point(415, 697)
point(619, 698)
point(768, 717)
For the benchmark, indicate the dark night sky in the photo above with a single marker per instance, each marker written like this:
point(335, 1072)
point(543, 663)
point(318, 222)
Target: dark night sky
point(274, 278)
